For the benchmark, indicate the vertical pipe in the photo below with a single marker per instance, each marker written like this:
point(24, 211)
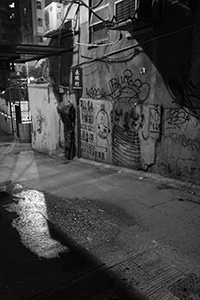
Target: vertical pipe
point(78, 96)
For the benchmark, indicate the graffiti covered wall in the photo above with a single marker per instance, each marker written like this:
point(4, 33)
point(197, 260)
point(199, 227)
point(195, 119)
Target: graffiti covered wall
point(45, 120)
point(117, 125)
point(145, 87)
point(178, 152)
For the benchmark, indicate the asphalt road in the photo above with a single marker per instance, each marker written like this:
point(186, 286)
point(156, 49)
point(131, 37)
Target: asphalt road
point(72, 230)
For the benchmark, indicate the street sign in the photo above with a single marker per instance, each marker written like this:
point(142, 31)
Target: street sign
point(77, 78)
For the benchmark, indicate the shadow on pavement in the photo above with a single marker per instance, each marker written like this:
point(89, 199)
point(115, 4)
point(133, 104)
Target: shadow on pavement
point(92, 279)
point(76, 273)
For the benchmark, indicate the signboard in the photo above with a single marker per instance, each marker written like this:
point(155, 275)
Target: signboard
point(95, 124)
point(77, 78)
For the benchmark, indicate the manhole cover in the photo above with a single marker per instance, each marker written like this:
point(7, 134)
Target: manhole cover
point(187, 288)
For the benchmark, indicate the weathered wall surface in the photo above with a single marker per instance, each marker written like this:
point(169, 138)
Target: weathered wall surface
point(144, 127)
point(46, 131)
point(178, 150)
point(123, 90)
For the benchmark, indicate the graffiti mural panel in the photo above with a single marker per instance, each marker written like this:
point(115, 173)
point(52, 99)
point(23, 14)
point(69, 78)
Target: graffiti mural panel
point(129, 95)
point(45, 119)
point(96, 130)
point(125, 137)
point(149, 134)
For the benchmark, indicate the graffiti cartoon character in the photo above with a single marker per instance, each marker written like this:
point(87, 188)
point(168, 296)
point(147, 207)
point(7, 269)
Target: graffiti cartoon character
point(103, 127)
point(102, 132)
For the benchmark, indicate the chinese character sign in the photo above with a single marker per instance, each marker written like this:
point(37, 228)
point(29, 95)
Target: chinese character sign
point(95, 130)
point(77, 78)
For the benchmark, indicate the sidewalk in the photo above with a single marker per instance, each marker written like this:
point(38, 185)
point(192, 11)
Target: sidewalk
point(10, 143)
point(6, 138)
point(126, 234)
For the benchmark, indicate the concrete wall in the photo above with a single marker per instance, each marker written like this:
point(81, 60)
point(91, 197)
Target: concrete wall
point(139, 96)
point(46, 125)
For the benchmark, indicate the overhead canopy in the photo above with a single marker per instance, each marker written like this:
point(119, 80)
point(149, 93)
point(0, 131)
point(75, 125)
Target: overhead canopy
point(28, 52)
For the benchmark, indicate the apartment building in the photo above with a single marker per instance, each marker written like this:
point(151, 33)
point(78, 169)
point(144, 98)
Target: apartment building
point(31, 12)
point(10, 22)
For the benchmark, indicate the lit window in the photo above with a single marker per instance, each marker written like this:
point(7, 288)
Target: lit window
point(24, 11)
point(12, 16)
point(12, 5)
point(98, 30)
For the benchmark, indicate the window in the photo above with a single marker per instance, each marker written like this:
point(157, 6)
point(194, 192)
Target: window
point(125, 9)
point(12, 5)
point(97, 28)
point(38, 5)
point(12, 16)
point(24, 11)
point(39, 21)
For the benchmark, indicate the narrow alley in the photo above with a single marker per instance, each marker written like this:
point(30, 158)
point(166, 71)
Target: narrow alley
point(80, 230)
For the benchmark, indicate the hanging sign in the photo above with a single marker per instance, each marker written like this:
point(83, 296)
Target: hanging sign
point(77, 78)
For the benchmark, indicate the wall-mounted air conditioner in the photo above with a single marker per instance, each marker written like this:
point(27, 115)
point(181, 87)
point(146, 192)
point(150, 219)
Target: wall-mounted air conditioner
point(125, 9)
point(53, 17)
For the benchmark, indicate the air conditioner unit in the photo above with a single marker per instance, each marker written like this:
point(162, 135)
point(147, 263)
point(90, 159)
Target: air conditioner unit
point(53, 17)
point(125, 9)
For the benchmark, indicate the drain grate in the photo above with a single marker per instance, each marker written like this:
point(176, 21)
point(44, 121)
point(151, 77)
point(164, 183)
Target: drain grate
point(187, 288)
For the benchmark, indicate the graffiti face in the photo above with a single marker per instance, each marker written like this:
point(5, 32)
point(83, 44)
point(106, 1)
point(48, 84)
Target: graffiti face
point(129, 119)
point(102, 124)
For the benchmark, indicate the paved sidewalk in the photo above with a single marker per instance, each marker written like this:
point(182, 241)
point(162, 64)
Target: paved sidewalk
point(126, 234)
point(10, 143)
point(6, 138)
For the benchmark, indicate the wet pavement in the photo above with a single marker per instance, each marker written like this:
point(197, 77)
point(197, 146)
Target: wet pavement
point(82, 231)
point(57, 229)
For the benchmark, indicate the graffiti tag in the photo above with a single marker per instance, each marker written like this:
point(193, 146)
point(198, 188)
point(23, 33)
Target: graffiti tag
point(184, 141)
point(96, 93)
point(121, 87)
point(40, 120)
point(176, 117)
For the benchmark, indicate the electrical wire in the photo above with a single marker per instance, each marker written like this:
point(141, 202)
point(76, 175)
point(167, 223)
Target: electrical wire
point(137, 45)
point(101, 59)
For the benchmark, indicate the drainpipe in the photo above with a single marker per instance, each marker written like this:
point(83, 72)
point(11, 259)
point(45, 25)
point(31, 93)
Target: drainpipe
point(78, 96)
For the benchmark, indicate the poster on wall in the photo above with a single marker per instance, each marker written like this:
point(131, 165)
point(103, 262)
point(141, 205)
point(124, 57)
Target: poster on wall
point(96, 130)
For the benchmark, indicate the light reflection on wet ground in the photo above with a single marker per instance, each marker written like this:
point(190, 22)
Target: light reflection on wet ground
point(32, 224)
point(49, 225)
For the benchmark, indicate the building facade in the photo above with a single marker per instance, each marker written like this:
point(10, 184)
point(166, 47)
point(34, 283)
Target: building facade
point(139, 106)
point(10, 22)
point(32, 21)
point(133, 76)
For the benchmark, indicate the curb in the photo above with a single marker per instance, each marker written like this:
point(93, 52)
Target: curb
point(174, 183)
point(16, 144)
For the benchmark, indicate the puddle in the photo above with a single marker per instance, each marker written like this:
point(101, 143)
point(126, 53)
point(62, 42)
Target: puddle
point(32, 225)
point(49, 225)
